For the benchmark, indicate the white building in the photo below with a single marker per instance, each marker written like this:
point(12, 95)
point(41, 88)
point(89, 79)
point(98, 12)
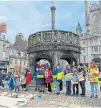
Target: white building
point(4, 52)
point(91, 41)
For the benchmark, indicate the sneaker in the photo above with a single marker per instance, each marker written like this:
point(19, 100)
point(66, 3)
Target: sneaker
point(76, 95)
point(96, 96)
point(48, 92)
point(83, 96)
point(61, 91)
point(57, 93)
point(73, 95)
point(91, 96)
point(40, 90)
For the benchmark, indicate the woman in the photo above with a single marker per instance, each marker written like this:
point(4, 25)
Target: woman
point(28, 77)
point(82, 79)
point(23, 80)
point(67, 72)
point(93, 74)
point(48, 79)
point(16, 81)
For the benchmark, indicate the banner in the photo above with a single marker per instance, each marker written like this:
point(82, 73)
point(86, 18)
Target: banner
point(40, 76)
point(80, 76)
point(90, 77)
point(69, 77)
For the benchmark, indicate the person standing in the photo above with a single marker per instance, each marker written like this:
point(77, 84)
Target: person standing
point(1, 82)
point(68, 80)
point(36, 80)
point(54, 77)
point(23, 80)
point(16, 81)
point(28, 77)
point(59, 80)
point(75, 82)
point(93, 74)
point(82, 79)
point(48, 79)
point(41, 80)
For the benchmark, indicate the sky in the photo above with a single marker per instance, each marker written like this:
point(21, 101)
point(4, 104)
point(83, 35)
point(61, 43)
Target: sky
point(28, 17)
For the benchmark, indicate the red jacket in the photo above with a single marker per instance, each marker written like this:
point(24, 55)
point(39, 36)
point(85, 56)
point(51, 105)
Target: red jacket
point(48, 77)
point(28, 78)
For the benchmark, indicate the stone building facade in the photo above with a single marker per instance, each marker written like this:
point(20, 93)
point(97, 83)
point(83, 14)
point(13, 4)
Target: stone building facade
point(17, 53)
point(91, 40)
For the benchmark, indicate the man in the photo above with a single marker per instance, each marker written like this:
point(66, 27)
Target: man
point(81, 76)
point(59, 78)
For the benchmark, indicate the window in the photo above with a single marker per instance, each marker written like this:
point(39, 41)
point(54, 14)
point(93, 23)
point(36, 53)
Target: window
point(3, 36)
point(92, 49)
point(11, 61)
point(90, 41)
point(4, 54)
point(20, 62)
point(4, 45)
point(84, 59)
point(99, 48)
point(84, 50)
point(95, 40)
point(16, 62)
point(95, 48)
point(100, 39)
point(24, 62)
point(84, 42)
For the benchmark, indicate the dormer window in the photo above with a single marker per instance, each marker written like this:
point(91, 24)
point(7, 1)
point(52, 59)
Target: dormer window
point(3, 36)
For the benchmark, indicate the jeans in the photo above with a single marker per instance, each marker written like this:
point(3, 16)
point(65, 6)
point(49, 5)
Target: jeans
point(75, 86)
point(57, 86)
point(68, 87)
point(94, 88)
point(83, 88)
point(27, 86)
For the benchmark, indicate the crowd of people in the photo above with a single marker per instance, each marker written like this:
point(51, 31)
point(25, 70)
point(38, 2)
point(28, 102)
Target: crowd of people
point(73, 77)
point(44, 77)
point(16, 79)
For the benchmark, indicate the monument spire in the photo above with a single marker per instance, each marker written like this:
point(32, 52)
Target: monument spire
point(53, 8)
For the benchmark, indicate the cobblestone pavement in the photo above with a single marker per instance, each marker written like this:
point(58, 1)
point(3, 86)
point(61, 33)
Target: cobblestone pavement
point(52, 100)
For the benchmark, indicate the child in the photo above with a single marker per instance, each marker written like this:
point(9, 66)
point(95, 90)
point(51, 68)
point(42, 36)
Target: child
point(48, 79)
point(16, 81)
point(75, 82)
point(28, 77)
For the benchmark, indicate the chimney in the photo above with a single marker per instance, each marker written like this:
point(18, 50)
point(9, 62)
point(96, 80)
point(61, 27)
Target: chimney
point(3, 28)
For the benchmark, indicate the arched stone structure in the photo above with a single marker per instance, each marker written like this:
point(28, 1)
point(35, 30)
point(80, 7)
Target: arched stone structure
point(53, 46)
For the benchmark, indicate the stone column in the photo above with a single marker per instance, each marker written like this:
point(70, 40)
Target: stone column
point(55, 58)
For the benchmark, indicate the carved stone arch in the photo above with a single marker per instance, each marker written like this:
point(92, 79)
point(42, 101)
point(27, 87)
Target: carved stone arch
point(38, 57)
point(70, 58)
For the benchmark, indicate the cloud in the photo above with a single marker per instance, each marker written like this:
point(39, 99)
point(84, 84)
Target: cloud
point(29, 17)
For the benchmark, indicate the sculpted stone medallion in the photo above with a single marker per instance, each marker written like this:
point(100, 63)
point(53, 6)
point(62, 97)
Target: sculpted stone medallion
point(62, 37)
point(47, 37)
